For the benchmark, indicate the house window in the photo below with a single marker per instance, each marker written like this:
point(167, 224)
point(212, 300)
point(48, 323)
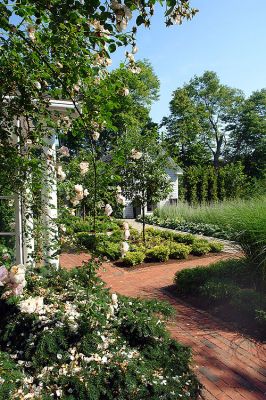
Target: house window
point(173, 202)
point(150, 206)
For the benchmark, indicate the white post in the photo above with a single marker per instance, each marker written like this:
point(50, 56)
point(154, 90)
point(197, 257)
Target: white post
point(18, 230)
point(28, 225)
point(49, 201)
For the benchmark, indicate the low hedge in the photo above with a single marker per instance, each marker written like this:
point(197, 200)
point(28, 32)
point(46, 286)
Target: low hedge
point(188, 281)
point(179, 250)
point(200, 247)
point(226, 285)
point(133, 258)
point(158, 253)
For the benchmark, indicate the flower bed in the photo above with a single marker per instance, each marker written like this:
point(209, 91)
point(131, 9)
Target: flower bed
point(65, 337)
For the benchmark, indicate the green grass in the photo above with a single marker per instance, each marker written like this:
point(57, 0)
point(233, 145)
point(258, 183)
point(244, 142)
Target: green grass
point(246, 218)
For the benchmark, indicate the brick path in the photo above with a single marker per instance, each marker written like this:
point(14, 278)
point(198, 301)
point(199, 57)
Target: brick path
point(229, 365)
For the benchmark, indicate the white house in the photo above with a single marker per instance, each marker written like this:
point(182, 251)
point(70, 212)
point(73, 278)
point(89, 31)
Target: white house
point(174, 172)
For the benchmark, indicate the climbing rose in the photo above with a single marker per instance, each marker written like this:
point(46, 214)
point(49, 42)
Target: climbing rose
point(64, 151)
point(108, 210)
point(125, 92)
point(96, 136)
point(86, 192)
point(121, 199)
point(60, 173)
point(3, 275)
point(135, 154)
point(31, 305)
point(17, 274)
point(126, 234)
point(31, 33)
point(78, 188)
point(84, 167)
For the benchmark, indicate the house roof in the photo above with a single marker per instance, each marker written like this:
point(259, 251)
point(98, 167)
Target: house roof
point(172, 164)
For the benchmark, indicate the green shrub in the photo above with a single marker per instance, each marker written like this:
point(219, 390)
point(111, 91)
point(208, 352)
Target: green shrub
point(188, 280)
point(179, 250)
point(107, 348)
point(87, 240)
point(216, 247)
point(184, 238)
point(133, 258)
point(217, 292)
point(158, 253)
point(200, 247)
point(109, 249)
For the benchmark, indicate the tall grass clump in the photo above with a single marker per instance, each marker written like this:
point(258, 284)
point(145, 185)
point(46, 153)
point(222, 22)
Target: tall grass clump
point(245, 218)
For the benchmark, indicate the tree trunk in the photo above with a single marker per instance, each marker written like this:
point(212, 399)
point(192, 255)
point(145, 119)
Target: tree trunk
point(143, 224)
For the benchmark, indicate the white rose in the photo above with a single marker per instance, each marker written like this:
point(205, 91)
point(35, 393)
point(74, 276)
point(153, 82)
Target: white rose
point(125, 92)
point(135, 154)
point(78, 188)
point(31, 305)
point(17, 274)
point(126, 234)
point(124, 248)
point(64, 151)
point(84, 167)
point(96, 136)
point(121, 199)
point(108, 210)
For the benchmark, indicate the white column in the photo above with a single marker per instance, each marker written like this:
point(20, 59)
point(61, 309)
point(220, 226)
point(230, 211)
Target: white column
point(28, 225)
point(18, 230)
point(49, 204)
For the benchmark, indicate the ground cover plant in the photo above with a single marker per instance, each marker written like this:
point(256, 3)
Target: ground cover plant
point(66, 337)
point(227, 288)
point(159, 245)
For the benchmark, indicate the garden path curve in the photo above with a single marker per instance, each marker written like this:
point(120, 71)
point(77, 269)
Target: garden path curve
point(229, 365)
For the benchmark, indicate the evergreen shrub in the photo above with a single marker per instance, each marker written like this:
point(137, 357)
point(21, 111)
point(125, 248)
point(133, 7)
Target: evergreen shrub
point(133, 258)
point(179, 250)
point(84, 344)
point(200, 247)
point(158, 253)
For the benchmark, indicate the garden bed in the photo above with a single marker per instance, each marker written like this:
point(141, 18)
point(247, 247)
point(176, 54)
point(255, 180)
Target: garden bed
point(159, 246)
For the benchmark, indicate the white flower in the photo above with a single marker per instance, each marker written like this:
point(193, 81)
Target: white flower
point(95, 136)
point(31, 33)
point(134, 50)
point(84, 167)
point(72, 211)
point(64, 151)
point(108, 62)
point(121, 24)
point(17, 274)
point(135, 154)
point(135, 70)
point(63, 227)
point(130, 57)
point(60, 173)
point(75, 202)
point(124, 248)
point(125, 226)
point(76, 87)
point(121, 199)
point(3, 275)
point(125, 91)
point(59, 65)
point(108, 210)
point(126, 234)
point(118, 189)
point(31, 305)
point(37, 85)
point(78, 188)
point(114, 298)
point(86, 193)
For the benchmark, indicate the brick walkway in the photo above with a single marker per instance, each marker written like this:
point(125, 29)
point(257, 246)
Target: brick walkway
point(229, 365)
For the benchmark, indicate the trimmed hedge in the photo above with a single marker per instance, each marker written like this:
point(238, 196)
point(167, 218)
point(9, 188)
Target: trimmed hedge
point(179, 250)
point(133, 258)
point(158, 253)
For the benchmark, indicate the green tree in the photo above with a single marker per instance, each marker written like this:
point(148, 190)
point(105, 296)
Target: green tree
point(142, 162)
point(199, 120)
point(248, 135)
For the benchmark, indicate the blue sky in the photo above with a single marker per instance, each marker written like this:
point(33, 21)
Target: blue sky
point(226, 36)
